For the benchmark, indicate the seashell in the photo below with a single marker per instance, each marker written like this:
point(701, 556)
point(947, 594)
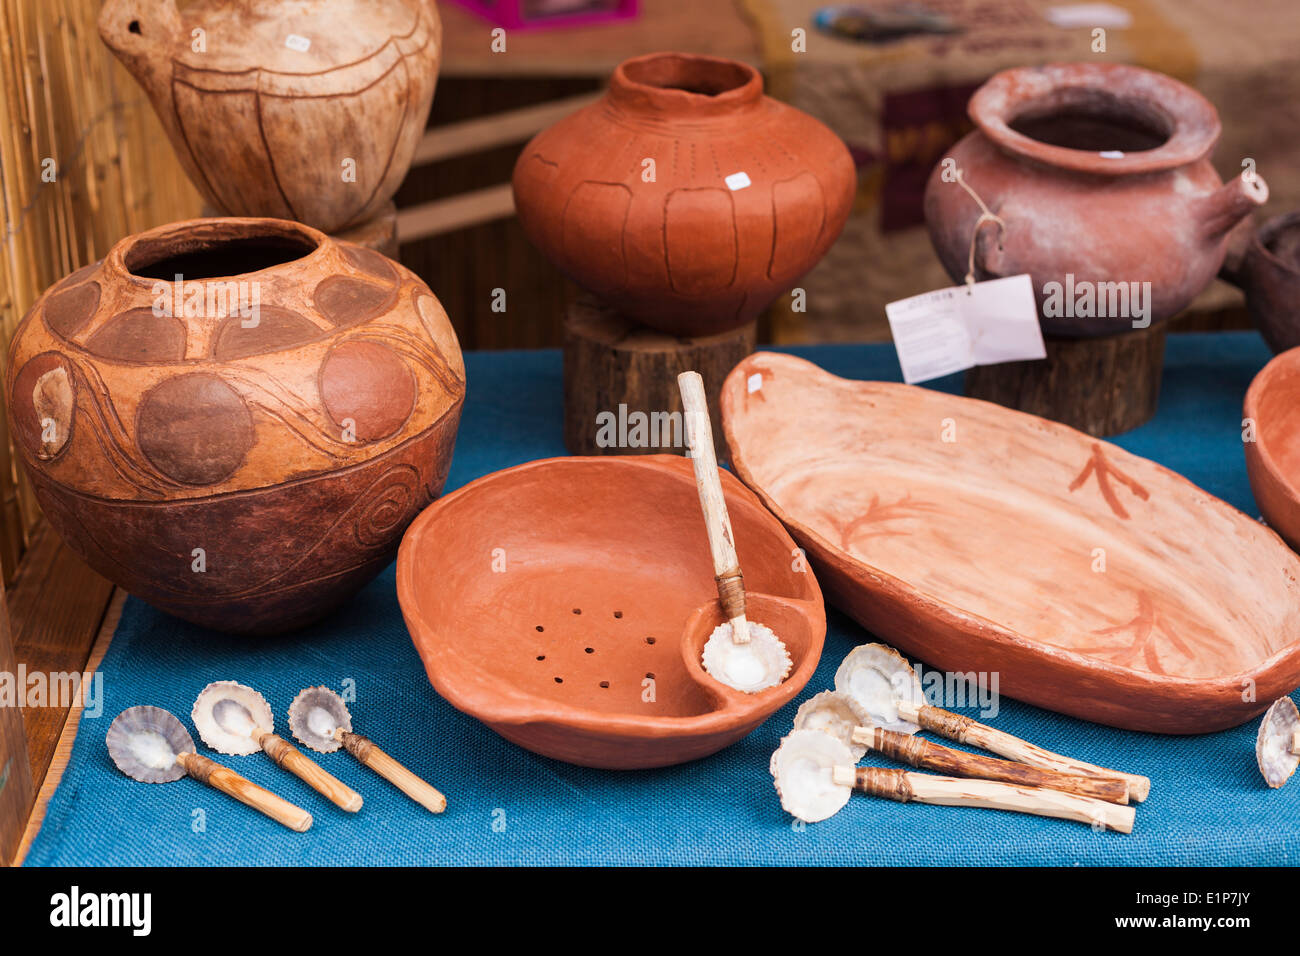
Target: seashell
point(875, 676)
point(761, 663)
point(1273, 745)
point(836, 714)
point(144, 741)
point(315, 714)
point(226, 713)
point(801, 769)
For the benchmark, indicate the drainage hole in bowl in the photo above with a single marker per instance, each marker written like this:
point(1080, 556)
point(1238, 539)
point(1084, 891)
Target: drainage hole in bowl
point(577, 610)
point(618, 613)
point(590, 650)
point(650, 674)
point(540, 628)
point(541, 657)
point(649, 640)
point(559, 680)
point(605, 684)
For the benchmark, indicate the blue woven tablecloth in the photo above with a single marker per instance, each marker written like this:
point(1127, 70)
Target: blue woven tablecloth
point(1208, 804)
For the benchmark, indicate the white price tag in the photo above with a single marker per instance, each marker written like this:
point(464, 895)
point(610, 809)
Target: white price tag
point(950, 330)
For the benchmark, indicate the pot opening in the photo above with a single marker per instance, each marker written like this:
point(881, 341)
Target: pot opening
point(1094, 121)
point(703, 77)
point(210, 257)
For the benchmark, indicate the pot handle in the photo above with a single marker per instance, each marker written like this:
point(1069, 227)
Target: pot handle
point(987, 255)
point(141, 32)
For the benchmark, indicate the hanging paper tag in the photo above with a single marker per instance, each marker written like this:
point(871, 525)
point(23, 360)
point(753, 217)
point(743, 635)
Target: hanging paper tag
point(950, 330)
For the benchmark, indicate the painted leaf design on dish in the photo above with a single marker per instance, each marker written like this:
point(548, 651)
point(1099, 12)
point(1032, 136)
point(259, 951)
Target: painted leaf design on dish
point(1148, 632)
point(1100, 466)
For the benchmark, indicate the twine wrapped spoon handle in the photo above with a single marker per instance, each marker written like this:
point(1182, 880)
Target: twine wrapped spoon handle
point(920, 752)
point(364, 749)
point(967, 731)
point(722, 545)
point(907, 786)
point(245, 791)
point(292, 759)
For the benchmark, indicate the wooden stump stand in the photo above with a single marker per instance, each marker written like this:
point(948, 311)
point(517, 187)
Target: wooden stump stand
point(620, 381)
point(1103, 385)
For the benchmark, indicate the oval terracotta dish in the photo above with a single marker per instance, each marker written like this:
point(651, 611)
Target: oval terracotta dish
point(977, 538)
point(565, 603)
point(309, 110)
point(685, 198)
point(243, 449)
point(1273, 458)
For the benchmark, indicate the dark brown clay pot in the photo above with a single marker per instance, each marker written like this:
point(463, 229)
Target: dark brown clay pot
point(1101, 172)
point(1093, 582)
point(1269, 274)
point(284, 452)
point(1273, 458)
point(308, 110)
point(565, 603)
point(747, 193)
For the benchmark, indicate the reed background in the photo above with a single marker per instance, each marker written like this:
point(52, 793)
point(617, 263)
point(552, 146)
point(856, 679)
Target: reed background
point(66, 98)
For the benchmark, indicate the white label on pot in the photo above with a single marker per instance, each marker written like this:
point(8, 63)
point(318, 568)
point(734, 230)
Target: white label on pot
point(1111, 154)
point(737, 180)
point(950, 330)
point(1079, 15)
point(755, 382)
point(295, 42)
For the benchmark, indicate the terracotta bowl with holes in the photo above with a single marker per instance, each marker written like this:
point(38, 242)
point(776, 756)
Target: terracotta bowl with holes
point(565, 603)
point(243, 449)
point(1273, 458)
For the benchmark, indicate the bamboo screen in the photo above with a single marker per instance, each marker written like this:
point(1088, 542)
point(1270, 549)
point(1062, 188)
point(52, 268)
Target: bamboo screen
point(65, 98)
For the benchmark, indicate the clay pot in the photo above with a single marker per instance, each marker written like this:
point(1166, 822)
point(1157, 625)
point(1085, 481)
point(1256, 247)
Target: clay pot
point(1101, 172)
point(565, 603)
point(1091, 581)
point(309, 111)
point(244, 478)
point(1269, 274)
point(685, 198)
point(1273, 458)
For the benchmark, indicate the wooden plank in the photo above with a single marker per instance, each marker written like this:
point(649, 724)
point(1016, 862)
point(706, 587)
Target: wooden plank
point(513, 126)
point(63, 748)
point(16, 790)
point(56, 606)
point(457, 212)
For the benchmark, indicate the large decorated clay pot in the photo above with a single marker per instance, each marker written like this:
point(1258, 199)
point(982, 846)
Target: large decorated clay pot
point(1100, 173)
point(308, 110)
point(685, 198)
point(245, 448)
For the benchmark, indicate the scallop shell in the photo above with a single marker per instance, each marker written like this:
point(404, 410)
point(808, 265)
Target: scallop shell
point(836, 714)
point(801, 769)
point(757, 665)
point(224, 709)
point(875, 676)
point(313, 716)
point(1273, 745)
point(143, 742)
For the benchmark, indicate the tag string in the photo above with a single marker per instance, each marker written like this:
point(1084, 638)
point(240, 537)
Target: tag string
point(985, 216)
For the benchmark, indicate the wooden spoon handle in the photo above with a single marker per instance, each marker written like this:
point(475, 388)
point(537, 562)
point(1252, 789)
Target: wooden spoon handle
point(906, 786)
point(245, 791)
point(726, 564)
point(958, 763)
point(311, 773)
point(364, 749)
point(966, 731)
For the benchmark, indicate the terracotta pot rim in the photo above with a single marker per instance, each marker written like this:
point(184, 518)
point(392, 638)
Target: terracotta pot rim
point(626, 88)
point(178, 237)
point(1193, 121)
point(1271, 230)
point(1263, 382)
point(510, 706)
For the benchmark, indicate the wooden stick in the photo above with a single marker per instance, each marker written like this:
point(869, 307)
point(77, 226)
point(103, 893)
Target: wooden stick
point(905, 786)
point(245, 791)
point(920, 752)
point(966, 731)
point(726, 564)
point(308, 771)
point(364, 749)
point(1295, 741)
